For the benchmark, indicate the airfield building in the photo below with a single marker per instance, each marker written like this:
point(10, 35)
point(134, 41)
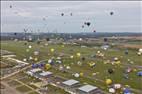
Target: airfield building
point(45, 74)
point(89, 89)
point(70, 85)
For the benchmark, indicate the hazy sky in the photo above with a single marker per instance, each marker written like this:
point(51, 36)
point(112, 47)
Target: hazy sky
point(29, 14)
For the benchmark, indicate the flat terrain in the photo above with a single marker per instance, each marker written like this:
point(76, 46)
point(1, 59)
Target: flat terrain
point(131, 60)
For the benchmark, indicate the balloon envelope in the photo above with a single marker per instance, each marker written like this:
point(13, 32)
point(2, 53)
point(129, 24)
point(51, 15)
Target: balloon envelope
point(111, 13)
point(108, 81)
point(62, 14)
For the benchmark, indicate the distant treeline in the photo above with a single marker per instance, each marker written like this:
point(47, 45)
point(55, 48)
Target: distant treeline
point(20, 36)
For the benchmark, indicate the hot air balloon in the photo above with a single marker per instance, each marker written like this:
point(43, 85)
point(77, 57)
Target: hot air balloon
point(108, 81)
point(47, 66)
point(10, 6)
point(27, 50)
point(110, 71)
point(112, 90)
point(47, 39)
point(30, 46)
point(15, 34)
point(43, 19)
point(76, 75)
point(52, 50)
point(62, 14)
point(78, 54)
point(126, 52)
point(94, 31)
point(68, 67)
point(83, 58)
point(105, 39)
point(25, 43)
point(35, 59)
point(81, 74)
point(111, 13)
point(71, 56)
point(88, 23)
point(82, 26)
point(127, 91)
point(71, 14)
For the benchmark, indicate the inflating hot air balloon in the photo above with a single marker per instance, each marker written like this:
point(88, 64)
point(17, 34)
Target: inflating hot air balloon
point(71, 56)
point(108, 81)
point(47, 39)
point(110, 71)
point(78, 54)
point(76, 75)
point(35, 59)
point(52, 50)
point(30, 46)
point(81, 74)
point(47, 66)
point(83, 58)
point(105, 39)
point(112, 90)
point(126, 52)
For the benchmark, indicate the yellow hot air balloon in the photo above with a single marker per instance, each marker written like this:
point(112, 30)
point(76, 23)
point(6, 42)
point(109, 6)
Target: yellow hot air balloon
point(92, 64)
point(134, 70)
point(63, 46)
point(27, 50)
point(117, 62)
point(52, 50)
point(78, 54)
point(71, 56)
point(81, 74)
point(35, 59)
point(108, 81)
point(47, 66)
point(127, 86)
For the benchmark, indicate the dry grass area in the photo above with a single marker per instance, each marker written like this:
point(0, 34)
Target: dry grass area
point(134, 46)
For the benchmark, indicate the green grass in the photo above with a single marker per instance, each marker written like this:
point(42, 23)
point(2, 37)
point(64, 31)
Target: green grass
point(23, 89)
point(55, 90)
point(117, 77)
point(13, 83)
point(33, 93)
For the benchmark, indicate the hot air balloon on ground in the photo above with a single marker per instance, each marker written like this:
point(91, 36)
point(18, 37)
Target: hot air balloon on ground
point(127, 91)
point(78, 54)
point(110, 71)
point(108, 81)
point(139, 73)
point(52, 49)
point(105, 39)
point(112, 90)
point(47, 66)
point(126, 52)
point(81, 74)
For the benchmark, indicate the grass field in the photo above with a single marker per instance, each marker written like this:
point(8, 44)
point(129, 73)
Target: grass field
point(23, 89)
point(55, 90)
point(117, 77)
